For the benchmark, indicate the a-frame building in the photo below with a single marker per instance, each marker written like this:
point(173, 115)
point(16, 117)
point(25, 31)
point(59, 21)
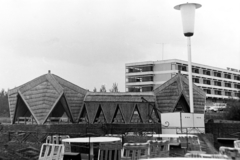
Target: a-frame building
point(173, 96)
point(45, 97)
point(49, 99)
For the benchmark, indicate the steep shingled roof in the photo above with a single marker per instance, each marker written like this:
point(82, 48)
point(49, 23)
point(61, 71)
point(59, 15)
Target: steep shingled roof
point(42, 94)
point(169, 93)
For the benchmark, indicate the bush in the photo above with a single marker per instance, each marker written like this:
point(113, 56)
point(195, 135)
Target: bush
point(233, 109)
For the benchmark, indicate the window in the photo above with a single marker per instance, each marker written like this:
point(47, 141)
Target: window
point(134, 89)
point(236, 77)
point(195, 70)
point(147, 89)
point(217, 74)
point(227, 84)
point(228, 76)
point(206, 81)
point(134, 69)
point(195, 80)
point(206, 72)
point(217, 83)
point(208, 91)
point(217, 92)
point(227, 93)
point(182, 68)
point(237, 94)
point(237, 86)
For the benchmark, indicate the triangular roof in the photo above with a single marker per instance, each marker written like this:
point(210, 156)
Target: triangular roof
point(169, 93)
point(118, 97)
point(43, 93)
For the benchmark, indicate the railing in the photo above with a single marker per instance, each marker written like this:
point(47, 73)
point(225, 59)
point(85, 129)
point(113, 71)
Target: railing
point(25, 120)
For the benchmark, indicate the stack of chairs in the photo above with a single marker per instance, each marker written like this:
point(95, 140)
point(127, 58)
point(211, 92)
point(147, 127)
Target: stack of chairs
point(233, 153)
point(51, 151)
point(159, 148)
point(190, 143)
point(194, 144)
point(57, 139)
point(184, 142)
point(135, 151)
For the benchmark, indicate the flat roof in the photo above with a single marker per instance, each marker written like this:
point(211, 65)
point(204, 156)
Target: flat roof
point(180, 61)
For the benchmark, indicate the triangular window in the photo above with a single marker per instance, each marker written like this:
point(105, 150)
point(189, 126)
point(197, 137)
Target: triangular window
point(100, 118)
point(22, 113)
point(182, 105)
point(58, 115)
point(136, 116)
point(84, 116)
point(118, 118)
point(154, 117)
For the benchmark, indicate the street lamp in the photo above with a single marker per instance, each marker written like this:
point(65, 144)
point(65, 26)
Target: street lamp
point(188, 15)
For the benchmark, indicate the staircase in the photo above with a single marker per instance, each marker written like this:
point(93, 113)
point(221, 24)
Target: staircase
point(206, 145)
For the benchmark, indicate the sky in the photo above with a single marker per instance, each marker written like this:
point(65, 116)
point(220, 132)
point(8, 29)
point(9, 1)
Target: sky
point(88, 42)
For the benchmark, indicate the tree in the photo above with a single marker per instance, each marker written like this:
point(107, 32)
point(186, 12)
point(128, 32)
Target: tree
point(233, 108)
point(114, 88)
point(4, 108)
point(95, 89)
point(103, 89)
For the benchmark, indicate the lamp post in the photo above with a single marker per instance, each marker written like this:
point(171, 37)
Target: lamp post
point(188, 15)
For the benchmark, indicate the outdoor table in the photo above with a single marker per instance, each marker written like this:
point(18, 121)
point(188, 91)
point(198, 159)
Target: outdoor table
point(91, 140)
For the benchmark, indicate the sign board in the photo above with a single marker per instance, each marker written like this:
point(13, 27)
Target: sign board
point(171, 119)
point(183, 123)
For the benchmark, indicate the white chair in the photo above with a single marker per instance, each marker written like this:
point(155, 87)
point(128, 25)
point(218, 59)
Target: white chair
point(135, 151)
point(49, 139)
point(51, 152)
point(67, 145)
point(55, 139)
point(237, 144)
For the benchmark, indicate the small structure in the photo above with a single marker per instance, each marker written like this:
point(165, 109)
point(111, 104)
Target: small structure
point(173, 96)
point(47, 98)
point(51, 99)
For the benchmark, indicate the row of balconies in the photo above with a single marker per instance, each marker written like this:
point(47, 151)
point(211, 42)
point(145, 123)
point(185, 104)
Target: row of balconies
point(221, 92)
point(216, 83)
point(140, 79)
point(140, 89)
point(139, 69)
point(209, 72)
point(202, 71)
point(206, 90)
point(195, 80)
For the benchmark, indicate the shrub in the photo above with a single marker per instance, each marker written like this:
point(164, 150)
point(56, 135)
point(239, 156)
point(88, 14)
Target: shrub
point(233, 109)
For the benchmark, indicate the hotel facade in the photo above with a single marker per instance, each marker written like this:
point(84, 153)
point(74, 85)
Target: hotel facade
point(219, 84)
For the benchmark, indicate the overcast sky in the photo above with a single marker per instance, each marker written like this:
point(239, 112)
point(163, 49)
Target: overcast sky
point(88, 42)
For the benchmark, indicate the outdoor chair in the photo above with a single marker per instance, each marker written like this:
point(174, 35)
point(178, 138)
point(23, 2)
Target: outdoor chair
point(135, 151)
point(109, 151)
point(194, 144)
point(233, 153)
point(51, 152)
point(159, 148)
point(67, 145)
point(55, 139)
point(49, 139)
point(237, 144)
point(184, 142)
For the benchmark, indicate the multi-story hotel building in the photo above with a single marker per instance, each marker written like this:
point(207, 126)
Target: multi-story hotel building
point(219, 84)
